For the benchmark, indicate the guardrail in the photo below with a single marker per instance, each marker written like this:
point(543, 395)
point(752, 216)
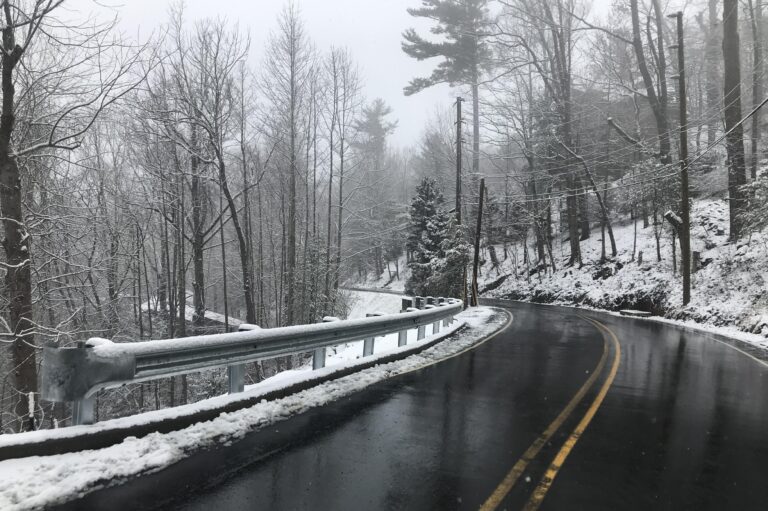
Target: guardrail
point(76, 374)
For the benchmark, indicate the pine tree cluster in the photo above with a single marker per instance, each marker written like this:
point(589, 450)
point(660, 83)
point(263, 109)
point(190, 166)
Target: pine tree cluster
point(437, 246)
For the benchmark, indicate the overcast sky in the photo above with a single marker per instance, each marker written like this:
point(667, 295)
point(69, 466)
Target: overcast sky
point(371, 29)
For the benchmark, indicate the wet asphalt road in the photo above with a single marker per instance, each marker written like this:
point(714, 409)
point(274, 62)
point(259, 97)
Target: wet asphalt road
point(684, 425)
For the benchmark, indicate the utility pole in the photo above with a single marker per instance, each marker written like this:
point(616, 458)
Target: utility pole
point(458, 160)
point(685, 232)
point(475, 294)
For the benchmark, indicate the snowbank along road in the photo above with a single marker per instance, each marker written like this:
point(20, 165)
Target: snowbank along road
point(561, 410)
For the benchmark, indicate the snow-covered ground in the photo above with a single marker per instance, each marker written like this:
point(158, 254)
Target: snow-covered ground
point(362, 303)
point(35, 482)
point(189, 311)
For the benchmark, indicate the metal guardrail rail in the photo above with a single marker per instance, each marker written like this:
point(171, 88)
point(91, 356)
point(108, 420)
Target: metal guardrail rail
point(76, 374)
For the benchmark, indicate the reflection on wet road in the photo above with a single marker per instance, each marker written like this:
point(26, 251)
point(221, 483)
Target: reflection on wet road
point(683, 425)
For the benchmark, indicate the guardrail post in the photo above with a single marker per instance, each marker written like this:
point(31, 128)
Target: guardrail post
point(429, 304)
point(368, 342)
point(422, 331)
point(450, 319)
point(318, 359)
point(441, 302)
point(236, 374)
point(368, 346)
point(421, 303)
point(447, 321)
point(83, 411)
point(318, 356)
point(236, 378)
point(402, 335)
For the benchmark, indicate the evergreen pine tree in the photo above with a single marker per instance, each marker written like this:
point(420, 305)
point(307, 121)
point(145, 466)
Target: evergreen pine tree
point(428, 224)
point(447, 271)
point(462, 27)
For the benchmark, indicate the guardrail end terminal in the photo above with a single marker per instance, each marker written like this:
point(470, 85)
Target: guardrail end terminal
point(72, 373)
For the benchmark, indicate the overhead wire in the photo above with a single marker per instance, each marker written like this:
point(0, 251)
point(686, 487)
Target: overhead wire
point(584, 190)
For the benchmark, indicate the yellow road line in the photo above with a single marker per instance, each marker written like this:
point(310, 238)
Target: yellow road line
point(549, 476)
point(514, 474)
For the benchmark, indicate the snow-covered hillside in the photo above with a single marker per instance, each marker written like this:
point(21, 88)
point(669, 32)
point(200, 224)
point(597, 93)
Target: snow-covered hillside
point(362, 303)
point(729, 289)
point(390, 280)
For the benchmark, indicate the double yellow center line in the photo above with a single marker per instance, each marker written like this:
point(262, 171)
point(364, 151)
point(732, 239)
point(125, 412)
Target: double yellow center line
point(537, 497)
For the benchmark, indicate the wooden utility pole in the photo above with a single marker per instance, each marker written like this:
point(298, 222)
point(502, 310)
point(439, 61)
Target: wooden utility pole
point(475, 294)
point(685, 231)
point(458, 160)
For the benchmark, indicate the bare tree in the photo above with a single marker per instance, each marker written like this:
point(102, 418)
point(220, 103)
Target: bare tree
point(285, 85)
point(73, 73)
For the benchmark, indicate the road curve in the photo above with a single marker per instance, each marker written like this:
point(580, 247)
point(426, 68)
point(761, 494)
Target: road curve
point(562, 410)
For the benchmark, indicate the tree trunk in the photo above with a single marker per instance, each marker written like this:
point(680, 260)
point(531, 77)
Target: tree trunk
point(573, 224)
point(600, 201)
point(713, 81)
point(756, 16)
point(198, 238)
point(290, 274)
point(18, 277)
point(583, 204)
point(732, 102)
point(250, 307)
point(330, 223)
point(224, 267)
point(181, 267)
point(137, 284)
point(658, 103)
point(337, 265)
